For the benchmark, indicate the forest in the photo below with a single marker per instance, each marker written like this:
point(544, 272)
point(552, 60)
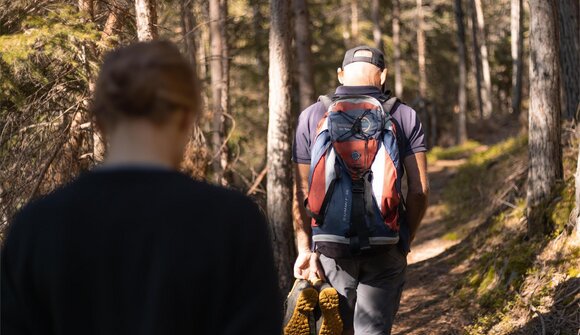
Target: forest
point(496, 85)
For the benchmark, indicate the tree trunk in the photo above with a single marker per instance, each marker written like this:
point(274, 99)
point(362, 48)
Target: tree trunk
point(217, 82)
point(476, 59)
point(279, 185)
point(517, 42)
point(304, 56)
point(421, 51)
point(146, 20)
point(461, 134)
point(397, 48)
point(354, 22)
point(187, 26)
point(570, 55)
point(345, 18)
point(545, 152)
point(481, 49)
point(425, 107)
point(194, 163)
point(377, 31)
point(225, 86)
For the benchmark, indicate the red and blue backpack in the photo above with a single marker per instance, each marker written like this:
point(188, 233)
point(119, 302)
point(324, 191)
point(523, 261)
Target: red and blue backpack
point(354, 196)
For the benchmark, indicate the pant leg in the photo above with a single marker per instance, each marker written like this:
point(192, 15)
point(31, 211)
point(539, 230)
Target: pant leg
point(342, 274)
point(381, 280)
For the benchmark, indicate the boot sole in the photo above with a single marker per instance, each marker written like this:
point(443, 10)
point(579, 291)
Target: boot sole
point(331, 321)
point(299, 323)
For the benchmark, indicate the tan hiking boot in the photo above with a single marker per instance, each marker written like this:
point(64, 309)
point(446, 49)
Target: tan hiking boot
point(328, 302)
point(300, 304)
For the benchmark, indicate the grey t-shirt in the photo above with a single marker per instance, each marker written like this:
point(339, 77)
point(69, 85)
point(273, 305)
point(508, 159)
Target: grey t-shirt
point(413, 136)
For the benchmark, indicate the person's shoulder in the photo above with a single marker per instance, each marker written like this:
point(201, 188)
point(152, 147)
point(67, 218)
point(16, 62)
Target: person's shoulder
point(217, 196)
point(312, 110)
point(38, 212)
point(404, 110)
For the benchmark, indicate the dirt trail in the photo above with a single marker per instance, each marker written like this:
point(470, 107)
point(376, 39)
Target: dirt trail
point(433, 271)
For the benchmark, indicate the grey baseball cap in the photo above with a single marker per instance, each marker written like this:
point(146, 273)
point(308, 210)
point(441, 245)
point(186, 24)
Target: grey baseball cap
point(377, 58)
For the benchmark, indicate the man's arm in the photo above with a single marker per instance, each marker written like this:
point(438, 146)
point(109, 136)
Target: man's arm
point(306, 266)
point(418, 193)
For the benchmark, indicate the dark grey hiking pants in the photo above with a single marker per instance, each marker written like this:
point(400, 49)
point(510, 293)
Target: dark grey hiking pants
point(369, 288)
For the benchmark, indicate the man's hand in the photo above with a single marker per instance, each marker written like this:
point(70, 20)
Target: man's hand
point(308, 267)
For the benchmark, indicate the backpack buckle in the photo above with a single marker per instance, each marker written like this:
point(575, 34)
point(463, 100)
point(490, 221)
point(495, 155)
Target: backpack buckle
point(358, 186)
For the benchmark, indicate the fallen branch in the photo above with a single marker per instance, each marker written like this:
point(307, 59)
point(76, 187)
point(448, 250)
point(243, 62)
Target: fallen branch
point(257, 182)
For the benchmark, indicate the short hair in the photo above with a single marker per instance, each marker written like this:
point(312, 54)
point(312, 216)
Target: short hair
point(147, 80)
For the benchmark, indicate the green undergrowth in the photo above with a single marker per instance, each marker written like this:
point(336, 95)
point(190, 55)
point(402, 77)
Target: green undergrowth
point(489, 191)
point(455, 152)
point(473, 191)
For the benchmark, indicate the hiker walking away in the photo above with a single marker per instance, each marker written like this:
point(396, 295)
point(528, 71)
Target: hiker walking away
point(134, 246)
point(355, 228)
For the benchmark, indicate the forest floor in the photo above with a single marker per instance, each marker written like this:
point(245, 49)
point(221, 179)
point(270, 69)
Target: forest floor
point(472, 270)
point(431, 277)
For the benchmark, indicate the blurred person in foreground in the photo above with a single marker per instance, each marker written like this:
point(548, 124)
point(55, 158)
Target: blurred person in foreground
point(134, 246)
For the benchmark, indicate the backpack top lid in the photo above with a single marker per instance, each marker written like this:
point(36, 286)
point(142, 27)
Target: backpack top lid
point(355, 125)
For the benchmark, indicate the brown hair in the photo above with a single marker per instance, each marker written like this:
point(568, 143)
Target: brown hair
point(144, 80)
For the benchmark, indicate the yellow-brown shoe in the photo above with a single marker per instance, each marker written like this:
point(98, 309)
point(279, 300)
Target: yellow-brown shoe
point(328, 303)
point(300, 304)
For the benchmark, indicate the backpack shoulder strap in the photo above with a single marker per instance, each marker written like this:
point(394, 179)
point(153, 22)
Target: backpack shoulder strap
point(390, 105)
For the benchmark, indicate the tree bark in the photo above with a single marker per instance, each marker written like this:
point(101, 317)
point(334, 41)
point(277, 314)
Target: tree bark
point(217, 83)
point(421, 51)
point(304, 55)
point(476, 59)
point(481, 49)
point(377, 31)
point(195, 154)
point(545, 152)
point(461, 134)
point(570, 55)
point(187, 26)
point(517, 42)
point(225, 86)
point(354, 22)
point(279, 184)
point(397, 48)
point(345, 18)
point(146, 19)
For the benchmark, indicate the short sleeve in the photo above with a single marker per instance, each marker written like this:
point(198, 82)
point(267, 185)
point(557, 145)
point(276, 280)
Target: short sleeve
point(414, 135)
point(305, 132)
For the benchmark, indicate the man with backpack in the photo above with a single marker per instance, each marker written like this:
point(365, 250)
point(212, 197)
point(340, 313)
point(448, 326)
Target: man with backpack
point(354, 226)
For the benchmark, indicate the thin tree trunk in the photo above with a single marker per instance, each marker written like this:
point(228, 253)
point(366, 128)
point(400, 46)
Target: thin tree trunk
point(204, 42)
point(377, 31)
point(195, 153)
point(545, 152)
point(354, 21)
point(345, 17)
point(479, 24)
point(304, 60)
point(517, 54)
point(570, 55)
point(146, 19)
point(461, 134)
point(421, 51)
point(187, 26)
point(225, 84)
point(279, 185)
point(397, 48)
point(261, 69)
point(476, 58)
point(217, 82)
